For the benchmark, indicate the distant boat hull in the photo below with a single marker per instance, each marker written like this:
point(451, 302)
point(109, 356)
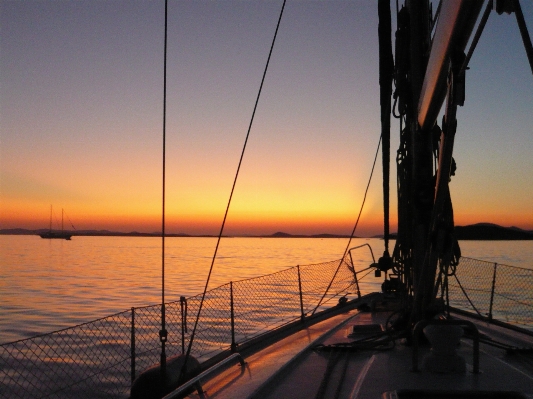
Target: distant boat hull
point(53, 234)
point(56, 234)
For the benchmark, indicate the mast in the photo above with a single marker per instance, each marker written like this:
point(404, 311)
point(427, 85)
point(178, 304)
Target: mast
point(415, 154)
point(421, 146)
point(427, 72)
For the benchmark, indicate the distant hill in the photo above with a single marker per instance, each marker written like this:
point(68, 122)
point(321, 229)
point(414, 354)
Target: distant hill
point(17, 232)
point(489, 231)
point(281, 234)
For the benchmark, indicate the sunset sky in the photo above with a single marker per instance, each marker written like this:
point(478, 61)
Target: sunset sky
point(81, 113)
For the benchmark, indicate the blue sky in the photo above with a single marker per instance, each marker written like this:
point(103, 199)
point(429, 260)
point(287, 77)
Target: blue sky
point(81, 86)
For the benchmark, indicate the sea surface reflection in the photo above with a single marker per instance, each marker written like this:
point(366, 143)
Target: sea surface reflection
point(51, 284)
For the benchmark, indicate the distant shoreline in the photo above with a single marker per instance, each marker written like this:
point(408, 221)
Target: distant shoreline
point(107, 233)
point(479, 231)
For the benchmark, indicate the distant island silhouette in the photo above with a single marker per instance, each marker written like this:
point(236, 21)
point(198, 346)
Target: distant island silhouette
point(479, 231)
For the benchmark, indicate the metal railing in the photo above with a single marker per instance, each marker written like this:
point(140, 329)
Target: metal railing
point(493, 291)
point(101, 358)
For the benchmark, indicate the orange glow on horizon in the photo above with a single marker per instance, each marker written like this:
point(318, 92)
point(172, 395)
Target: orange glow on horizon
point(260, 218)
point(200, 222)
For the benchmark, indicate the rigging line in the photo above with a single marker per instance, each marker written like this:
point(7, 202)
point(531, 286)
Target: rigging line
point(70, 221)
point(467, 297)
point(479, 31)
point(233, 188)
point(353, 230)
point(163, 331)
point(524, 33)
point(436, 16)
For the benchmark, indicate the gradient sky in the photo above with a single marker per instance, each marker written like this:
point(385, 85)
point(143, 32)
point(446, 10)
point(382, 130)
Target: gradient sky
point(81, 88)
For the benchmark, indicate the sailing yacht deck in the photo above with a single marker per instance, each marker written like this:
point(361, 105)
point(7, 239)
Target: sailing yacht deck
point(291, 368)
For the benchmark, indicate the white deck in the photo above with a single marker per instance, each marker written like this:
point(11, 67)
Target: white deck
point(292, 369)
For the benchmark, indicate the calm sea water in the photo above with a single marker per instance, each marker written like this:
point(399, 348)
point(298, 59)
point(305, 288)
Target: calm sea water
point(46, 285)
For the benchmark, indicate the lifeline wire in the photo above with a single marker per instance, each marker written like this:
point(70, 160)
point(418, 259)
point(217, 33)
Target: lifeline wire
point(232, 190)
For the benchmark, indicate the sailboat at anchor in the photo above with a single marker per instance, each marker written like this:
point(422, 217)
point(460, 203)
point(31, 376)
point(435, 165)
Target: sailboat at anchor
point(56, 234)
